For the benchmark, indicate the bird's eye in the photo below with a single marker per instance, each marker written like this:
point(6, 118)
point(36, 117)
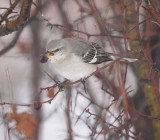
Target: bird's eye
point(50, 54)
point(56, 50)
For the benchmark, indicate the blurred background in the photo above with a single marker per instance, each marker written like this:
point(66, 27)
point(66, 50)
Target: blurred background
point(118, 102)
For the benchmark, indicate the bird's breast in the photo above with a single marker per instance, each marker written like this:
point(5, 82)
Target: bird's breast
point(73, 68)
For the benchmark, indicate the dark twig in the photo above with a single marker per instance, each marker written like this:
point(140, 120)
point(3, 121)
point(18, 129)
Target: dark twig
point(11, 45)
point(19, 22)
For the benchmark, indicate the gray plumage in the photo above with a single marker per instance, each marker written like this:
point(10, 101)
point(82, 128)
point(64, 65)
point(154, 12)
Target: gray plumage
point(74, 59)
point(90, 53)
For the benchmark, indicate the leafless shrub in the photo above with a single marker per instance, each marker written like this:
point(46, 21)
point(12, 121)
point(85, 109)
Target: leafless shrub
point(118, 101)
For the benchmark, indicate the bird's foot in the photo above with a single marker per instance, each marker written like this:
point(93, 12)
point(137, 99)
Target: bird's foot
point(61, 85)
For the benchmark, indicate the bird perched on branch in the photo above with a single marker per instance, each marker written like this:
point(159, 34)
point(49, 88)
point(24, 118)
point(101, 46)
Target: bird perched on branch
point(75, 59)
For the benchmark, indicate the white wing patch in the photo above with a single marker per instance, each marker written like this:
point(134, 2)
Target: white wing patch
point(94, 60)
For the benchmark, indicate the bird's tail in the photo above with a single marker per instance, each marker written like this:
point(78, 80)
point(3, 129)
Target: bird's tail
point(128, 59)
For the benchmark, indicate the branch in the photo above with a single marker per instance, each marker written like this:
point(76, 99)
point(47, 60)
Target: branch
point(17, 23)
point(9, 11)
point(12, 43)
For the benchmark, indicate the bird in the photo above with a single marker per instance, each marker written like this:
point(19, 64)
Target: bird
point(75, 59)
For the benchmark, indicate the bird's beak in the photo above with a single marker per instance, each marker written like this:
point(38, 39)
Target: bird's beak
point(44, 58)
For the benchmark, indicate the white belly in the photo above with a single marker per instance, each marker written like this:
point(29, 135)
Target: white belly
point(73, 68)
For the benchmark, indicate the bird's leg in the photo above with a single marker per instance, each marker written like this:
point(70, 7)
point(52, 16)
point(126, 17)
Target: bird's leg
point(83, 82)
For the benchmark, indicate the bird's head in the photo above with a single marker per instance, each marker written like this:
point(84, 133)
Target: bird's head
point(55, 52)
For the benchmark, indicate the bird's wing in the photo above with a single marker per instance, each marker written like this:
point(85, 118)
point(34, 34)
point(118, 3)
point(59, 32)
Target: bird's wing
point(96, 55)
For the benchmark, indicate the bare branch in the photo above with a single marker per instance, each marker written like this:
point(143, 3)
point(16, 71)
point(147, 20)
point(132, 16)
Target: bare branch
point(19, 22)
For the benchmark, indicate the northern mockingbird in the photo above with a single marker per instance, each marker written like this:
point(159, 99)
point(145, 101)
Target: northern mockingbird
point(75, 59)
